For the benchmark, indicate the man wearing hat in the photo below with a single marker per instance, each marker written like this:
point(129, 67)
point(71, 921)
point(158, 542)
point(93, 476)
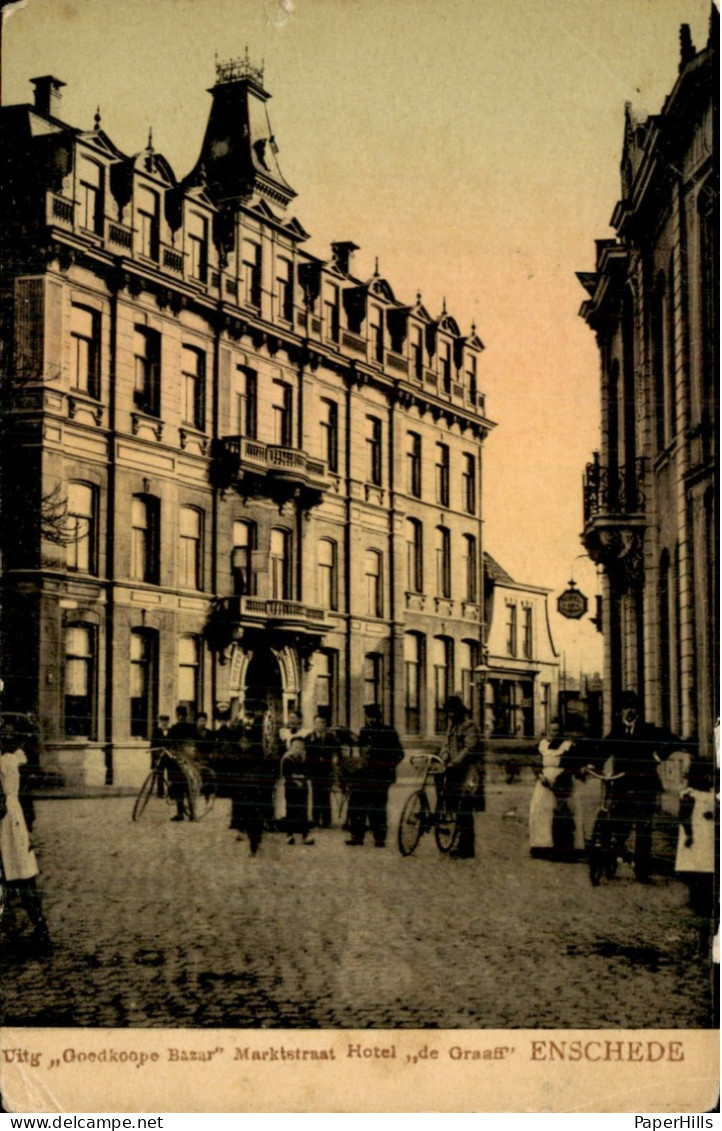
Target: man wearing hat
point(464, 777)
point(159, 740)
point(637, 748)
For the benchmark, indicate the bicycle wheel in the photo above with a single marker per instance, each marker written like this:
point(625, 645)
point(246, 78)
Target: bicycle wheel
point(598, 851)
point(446, 828)
point(412, 823)
point(205, 800)
point(144, 796)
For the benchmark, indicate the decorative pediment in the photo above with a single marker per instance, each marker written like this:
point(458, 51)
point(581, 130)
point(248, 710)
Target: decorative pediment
point(474, 342)
point(154, 165)
point(420, 313)
point(199, 195)
point(449, 324)
point(101, 143)
point(296, 230)
point(381, 288)
point(264, 210)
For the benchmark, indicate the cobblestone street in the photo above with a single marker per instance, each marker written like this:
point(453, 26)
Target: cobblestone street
point(159, 924)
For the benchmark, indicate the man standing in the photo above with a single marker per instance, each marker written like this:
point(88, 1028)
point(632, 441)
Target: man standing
point(321, 751)
point(637, 748)
point(159, 740)
point(381, 752)
point(464, 777)
point(180, 735)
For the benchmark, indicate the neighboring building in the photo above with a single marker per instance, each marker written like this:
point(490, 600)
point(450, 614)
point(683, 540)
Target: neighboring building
point(522, 682)
point(651, 493)
point(233, 471)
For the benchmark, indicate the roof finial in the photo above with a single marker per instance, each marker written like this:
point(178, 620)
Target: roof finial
point(686, 46)
point(96, 118)
point(418, 298)
point(150, 138)
point(376, 268)
point(443, 306)
point(473, 327)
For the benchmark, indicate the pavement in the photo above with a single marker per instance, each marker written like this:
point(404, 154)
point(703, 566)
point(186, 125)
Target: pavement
point(174, 924)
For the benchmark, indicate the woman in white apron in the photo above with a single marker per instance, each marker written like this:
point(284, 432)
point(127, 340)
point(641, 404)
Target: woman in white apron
point(555, 816)
point(19, 865)
point(695, 861)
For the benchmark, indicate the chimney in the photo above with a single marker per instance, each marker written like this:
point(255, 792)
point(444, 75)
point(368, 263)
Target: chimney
point(342, 255)
point(47, 95)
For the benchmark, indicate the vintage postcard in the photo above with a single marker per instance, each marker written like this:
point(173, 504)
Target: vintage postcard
point(359, 627)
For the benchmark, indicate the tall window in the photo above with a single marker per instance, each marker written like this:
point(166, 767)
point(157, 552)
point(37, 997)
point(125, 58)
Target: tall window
point(80, 710)
point(244, 543)
point(284, 282)
point(468, 484)
point(90, 191)
point(528, 640)
point(413, 669)
point(469, 661)
point(327, 574)
point(144, 540)
point(85, 350)
point(376, 327)
point(329, 426)
point(442, 474)
point(331, 311)
point(282, 414)
point(280, 565)
point(417, 352)
point(189, 673)
point(143, 682)
point(413, 464)
point(471, 377)
point(148, 222)
point(146, 374)
point(511, 630)
point(414, 555)
point(659, 360)
point(246, 406)
point(374, 588)
point(189, 557)
point(373, 450)
point(443, 659)
point(445, 359)
point(470, 568)
point(671, 351)
point(81, 552)
point(251, 269)
point(443, 561)
point(326, 664)
point(193, 377)
point(373, 679)
point(197, 243)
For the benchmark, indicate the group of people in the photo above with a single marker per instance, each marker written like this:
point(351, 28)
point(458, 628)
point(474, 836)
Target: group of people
point(633, 750)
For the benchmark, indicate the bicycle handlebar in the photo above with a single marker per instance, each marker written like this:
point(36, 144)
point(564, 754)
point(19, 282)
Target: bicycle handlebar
point(426, 759)
point(603, 777)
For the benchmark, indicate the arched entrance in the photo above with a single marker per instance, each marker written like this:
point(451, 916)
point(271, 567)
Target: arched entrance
point(263, 685)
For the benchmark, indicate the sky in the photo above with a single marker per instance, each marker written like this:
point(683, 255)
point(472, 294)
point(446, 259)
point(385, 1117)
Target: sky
point(472, 145)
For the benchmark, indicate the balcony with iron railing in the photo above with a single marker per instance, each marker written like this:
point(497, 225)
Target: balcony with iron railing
point(614, 508)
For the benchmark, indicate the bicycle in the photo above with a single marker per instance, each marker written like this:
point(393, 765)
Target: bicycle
point(199, 790)
point(604, 849)
point(417, 815)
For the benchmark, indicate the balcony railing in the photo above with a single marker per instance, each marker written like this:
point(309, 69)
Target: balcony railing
point(62, 210)
point(275, 470)
point(613, 490)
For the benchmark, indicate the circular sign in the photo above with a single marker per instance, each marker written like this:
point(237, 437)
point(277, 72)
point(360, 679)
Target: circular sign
point(572, 604)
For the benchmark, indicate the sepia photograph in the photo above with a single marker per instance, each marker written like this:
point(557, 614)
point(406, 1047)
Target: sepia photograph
point(359, 582)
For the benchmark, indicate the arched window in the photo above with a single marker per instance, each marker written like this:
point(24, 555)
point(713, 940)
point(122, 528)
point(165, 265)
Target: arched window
point(80, 708)
point(374, 583)
point(414, 556)
point(190, 573)
point(143, 681)
point(82, 524)
point(470, 568)
point(280, 565)
point(144, 538)
point(327, 574)
point(414, 680)
point(443, 661)
point(244, 543)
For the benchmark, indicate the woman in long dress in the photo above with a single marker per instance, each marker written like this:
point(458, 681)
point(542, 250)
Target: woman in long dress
point(555, 817)
point(19, 865)
point(695, 861)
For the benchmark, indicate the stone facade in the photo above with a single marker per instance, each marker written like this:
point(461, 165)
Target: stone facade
point(651, 492)
point(232, 470)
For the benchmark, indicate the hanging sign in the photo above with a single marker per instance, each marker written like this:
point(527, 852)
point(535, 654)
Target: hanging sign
point(572, 603)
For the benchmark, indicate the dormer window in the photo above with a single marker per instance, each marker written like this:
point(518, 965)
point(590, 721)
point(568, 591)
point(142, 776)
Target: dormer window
point(331, 309)
point(471, 377)
point(197, 244)
point(284, 280)
point(377, 334)
point(417, 352)
point(148, 222)
point(90, 193)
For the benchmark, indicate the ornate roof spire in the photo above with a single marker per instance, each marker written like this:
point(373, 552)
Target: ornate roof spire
point(149, 146)
point(96, 118)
